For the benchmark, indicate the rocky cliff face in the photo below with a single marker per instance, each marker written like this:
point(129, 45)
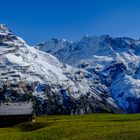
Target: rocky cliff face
point(113, 63)
point(27, 74)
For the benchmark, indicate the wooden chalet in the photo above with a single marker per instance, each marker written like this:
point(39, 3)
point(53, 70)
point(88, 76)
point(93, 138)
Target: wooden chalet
point(14, 113)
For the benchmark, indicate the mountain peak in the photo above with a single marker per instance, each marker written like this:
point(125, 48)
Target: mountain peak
point(4, 29)
point(101, 37)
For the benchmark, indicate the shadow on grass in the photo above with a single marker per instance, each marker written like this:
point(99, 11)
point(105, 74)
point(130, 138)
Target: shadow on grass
point(124, 120)
point(31, 126)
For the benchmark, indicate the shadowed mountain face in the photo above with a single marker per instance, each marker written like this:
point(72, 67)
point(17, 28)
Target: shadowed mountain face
point(113, 63)
point(27, 73)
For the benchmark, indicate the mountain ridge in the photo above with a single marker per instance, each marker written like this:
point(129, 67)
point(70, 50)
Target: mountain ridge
point(113, 61)
point(56, 88)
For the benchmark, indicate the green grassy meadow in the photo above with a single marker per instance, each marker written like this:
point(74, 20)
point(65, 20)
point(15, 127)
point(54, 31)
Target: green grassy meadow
point(80, 127)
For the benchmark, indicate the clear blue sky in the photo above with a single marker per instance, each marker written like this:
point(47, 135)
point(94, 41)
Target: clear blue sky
point(40, 20)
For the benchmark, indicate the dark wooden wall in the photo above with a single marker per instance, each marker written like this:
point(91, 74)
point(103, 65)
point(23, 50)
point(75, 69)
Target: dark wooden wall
point(14, 119)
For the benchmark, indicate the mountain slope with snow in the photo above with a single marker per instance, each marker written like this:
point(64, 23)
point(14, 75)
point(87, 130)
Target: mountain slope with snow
point(30, 74)
point(115, 62)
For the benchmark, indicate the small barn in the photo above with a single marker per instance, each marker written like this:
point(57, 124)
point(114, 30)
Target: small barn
point(14, 113)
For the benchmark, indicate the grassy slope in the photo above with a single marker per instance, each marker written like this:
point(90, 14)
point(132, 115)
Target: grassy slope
point(84, 127)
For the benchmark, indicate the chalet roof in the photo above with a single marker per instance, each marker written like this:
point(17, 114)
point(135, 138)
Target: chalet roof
point(23, 108)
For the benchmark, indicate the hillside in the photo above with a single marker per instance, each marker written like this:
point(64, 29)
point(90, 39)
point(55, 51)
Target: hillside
point(77, 127)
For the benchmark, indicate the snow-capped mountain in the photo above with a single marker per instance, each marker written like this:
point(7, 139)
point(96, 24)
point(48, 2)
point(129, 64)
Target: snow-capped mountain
point(113, 62)
point(27, 73)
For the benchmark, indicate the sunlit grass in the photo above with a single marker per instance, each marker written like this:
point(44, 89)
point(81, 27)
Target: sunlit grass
point(80, 127)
